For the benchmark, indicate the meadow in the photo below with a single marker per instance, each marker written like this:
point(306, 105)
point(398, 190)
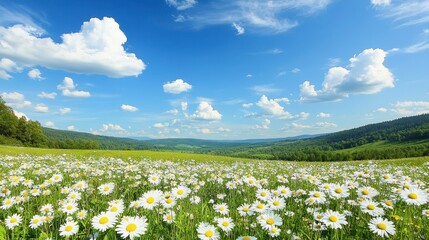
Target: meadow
point(95, 194)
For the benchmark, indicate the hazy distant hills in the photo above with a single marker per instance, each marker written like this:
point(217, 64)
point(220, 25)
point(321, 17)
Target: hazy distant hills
point(408, 136)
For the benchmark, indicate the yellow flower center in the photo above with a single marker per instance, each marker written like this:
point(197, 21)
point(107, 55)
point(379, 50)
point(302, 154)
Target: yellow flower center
point(284, 191)
point(251, 181)
point(270, 221)
point(209, 233)
point(319, 216)
point(389, 203)
point(316, 195)
point(382, 226)
point(386, 176)
point(246, 238)
point(153, 178)
point(260, 206)
point(13, 220)
point(245, 209)
point(114, 209)
point(150, 200)
point(8, 202)
point(326, 187)
point(338, 190)
point(276, 203)
point(169, 217)
point(427, 212)
point(311, 200)
point(69, 207)
point(370, 207)
point(69, 228)
point(131, 227)
point(333, 219)
point(263, 194)
point(106, 188)
point(221, 208)
point(35, 221)
point(103, 220)
point(180, 192)
point(365, 192)
point(413, 196)
point(274, 230)
point(225, 224)
point(169, 200)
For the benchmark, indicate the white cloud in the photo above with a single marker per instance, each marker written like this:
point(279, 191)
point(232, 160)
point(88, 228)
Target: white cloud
point(301, 126)
point(323, 115)
point(366, 75)
point(264, 89)
point(20, 114)
point(380, 2)
point(318, 125)
point(240, 30)
point(41, 108)
point(259, 15)
point(47, 95)
point(176, 130)
point(177, 86)
point(7, 65)
point(303, 115)
point(249, 75)
point(110, 126)
point(205, 131)
point(406, 13)
point(279, 100)
point(64, 110)
point(221, 129)
point(173, 111)
point(68, 89)
point(408, 108)
point(184, 106)
point(418, 47)
point(247, 105)
point(382, 109)
point(205, 111)
point(426, 31)
point(49, 124)
point(15, 99)
point(272, 107)
point(160, 125)
point(296, 70)
point(325, 124)
point(129, 108)
point(71, 128)
point(35, 74)
point(264, 125)
point(96, 49)
point(181, 4)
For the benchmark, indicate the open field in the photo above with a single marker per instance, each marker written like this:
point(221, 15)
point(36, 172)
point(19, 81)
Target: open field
point(99, 194)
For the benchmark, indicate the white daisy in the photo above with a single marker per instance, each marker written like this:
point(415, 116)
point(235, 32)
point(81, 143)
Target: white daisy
point(13, 221)
point(225, 224)
point(132, 227)
point(334, 219)
point(414, 196)
point(69, 228)
point(382, 227)
point(207, 231)
point(103, 221)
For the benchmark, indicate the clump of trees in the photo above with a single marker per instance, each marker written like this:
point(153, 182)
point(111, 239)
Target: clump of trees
point(24, 132)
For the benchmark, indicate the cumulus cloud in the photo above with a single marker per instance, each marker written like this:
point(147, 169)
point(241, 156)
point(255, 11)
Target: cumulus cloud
point(129, 108)
point(160, 125)
point(20, 114)
point(205, 131)
point(181, 4)
point(247, 105)
point(177, 86)
point(35, 74)
point(408, 108)
point(64, 110)
point(184, 106)
point(7, 66)
point(205, 111)
point(112, 127)
point(240, 30)
point(323, 115)
point(272, 107)
point(264, 125)
point(68, 89)
point(96, 49)
point(49, 124)
point(382, 109)
point(41, 108)
point(71, 128)
point(366, 75)
point(284, 100)
point(380, 2)
point(15, 99)
point(47, 95)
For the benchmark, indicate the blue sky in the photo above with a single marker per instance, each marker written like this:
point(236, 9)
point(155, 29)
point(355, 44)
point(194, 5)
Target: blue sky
point(214, 69)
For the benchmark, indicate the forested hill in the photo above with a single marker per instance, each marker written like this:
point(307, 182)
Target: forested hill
point(404, 137)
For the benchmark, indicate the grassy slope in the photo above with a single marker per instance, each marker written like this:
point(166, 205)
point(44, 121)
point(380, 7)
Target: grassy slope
point(156, 155)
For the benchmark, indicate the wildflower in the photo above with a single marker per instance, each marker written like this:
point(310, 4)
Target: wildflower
point(150, 199)
point(225, 224)
point(103, 221)
point(414, 196)
point(371, 207)
point(132, 227)
point(13, 221)
point(270, 220)
point(169, 216)
point(69, 228)
point(207, 231)
point(36, 221)
point(382, 227)
point(334, 219)
point(106, 189)
point(221, 208)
